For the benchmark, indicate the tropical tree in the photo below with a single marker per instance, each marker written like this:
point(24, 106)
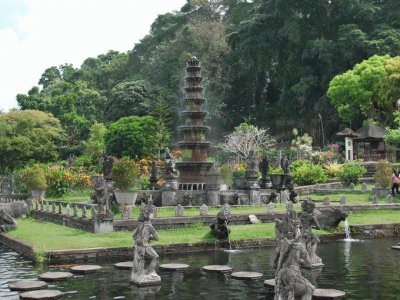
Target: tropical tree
point(95, 146)
point(246, 138)
point(132, 136)
point(28, 135)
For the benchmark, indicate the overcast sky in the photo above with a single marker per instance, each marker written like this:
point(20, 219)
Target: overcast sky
point(38, 34)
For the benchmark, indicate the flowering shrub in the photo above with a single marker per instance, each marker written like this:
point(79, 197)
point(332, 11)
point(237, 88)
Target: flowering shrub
point(332, 169)
point(240, 170)
point(60, 181)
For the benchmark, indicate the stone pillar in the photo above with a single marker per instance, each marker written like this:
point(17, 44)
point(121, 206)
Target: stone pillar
point(349, 148)
point(254, 195)
point(213, 198)
point(103, 225)
point(168, 198)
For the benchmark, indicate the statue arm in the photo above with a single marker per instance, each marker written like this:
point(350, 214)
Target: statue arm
point(154, 235)
point(316, 223)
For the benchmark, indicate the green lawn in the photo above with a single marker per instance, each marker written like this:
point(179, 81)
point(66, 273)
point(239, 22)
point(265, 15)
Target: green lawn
point(49, 236)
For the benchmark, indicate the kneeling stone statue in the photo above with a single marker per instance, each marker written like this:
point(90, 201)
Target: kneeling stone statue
point(145, 258)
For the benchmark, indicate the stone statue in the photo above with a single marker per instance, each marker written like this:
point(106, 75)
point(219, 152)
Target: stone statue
point(154, 175)
point(170, 170)
point(108, 162)
point(220, 228)
point(330, 218)
point(71, 161)
point(290, 283)
point(145, 258)
point(6, 221)
point(308, 222)
point(263, 167)
point(101, 197)
point(251, 170)
point(285, 164)
point(290, 255)
point(16, 209)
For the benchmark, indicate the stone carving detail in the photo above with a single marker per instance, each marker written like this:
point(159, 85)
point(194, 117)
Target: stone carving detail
point(53, 208)
point(364, 187)
point(154, 176)
point(290, 254)
point(271, 208)
point(285, 164)
point(343, 200)
point(329, 218)
point(6, 221)
point(326, 201)
point(220, 228)
point(308, 222)
point(108, 162)
point(16, 209)
point(290, 283)
point(84, 212)
point(203, 210)
point(102, 198)
point(75, 210)
point(351, 186)
point(375, 199)
point(179, 211)
point(263, 167)
point(389, 199)
point(145, 258)
point(67, 211)
point(170, 170)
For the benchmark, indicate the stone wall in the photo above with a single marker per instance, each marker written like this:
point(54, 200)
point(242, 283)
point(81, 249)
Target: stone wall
point(60, 219)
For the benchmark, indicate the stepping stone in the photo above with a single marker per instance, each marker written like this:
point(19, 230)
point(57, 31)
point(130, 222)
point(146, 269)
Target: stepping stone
point(396, 247)
point(174, 267)
point(217, 268)
point(246, 275)
point(86, 269)
point(328, 294)
point(41, 294)
point(126, 265)
point(27, 285)
point(55, 276)
point(318, 293)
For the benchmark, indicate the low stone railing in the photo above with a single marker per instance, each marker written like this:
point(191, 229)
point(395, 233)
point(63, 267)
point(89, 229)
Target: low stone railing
point(69, 210)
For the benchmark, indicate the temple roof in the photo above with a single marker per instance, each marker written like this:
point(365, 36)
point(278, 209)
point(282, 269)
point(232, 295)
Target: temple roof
point(347, 132)
point(371, 131)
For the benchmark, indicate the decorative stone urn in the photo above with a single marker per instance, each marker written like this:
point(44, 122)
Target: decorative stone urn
point(126, 201)
point(38, 194)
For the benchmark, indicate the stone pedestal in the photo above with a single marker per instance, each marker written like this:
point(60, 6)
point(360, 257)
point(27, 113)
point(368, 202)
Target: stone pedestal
point(168, 198)
point(213, 198)
point(255, 196)
point(103, 225)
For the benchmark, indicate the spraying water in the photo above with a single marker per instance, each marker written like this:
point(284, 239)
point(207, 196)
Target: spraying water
point(347, 232)
point(229, 240)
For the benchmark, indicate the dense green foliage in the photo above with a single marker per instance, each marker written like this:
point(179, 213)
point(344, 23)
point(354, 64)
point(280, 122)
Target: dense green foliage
point(383, 173)
point(124, 173)
point(34, 177)
point(132, 136)
point(28, 135)
point(351, 172)
point(309, 174)
point(266, 62)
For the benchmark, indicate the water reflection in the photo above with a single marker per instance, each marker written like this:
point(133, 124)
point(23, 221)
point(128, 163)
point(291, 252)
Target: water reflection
point(365, 270)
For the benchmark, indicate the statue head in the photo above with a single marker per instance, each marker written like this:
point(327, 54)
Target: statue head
point(307, 206)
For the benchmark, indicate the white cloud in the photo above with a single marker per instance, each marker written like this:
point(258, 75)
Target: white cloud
point(54, 32)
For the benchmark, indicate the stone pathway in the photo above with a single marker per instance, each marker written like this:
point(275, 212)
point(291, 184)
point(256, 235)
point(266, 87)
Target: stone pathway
point(174, 266)
point(27, 285)
point(55, 276)
point(244, 275)
point(217, 268)
point(83, 269)
point(126, 265)
point(41, 294)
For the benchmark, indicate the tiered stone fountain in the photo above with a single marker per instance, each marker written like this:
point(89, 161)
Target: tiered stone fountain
point(194, 147)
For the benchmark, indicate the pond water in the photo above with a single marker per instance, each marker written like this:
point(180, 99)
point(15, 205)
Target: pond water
point(365, 270)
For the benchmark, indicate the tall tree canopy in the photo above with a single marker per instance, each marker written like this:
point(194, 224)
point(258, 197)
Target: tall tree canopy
point(371, 88)
point(28, 135)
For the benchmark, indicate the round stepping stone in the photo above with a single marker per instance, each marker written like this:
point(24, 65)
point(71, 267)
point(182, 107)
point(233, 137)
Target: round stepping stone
point(41, 294)
point(246, 275)
point(126, 265)
point(27, 285)
point(217, 268)
point(55, 276)
point(270, 283)
point(328, 293)
point(174, 267)
point(86, 269)
point(396, 247)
